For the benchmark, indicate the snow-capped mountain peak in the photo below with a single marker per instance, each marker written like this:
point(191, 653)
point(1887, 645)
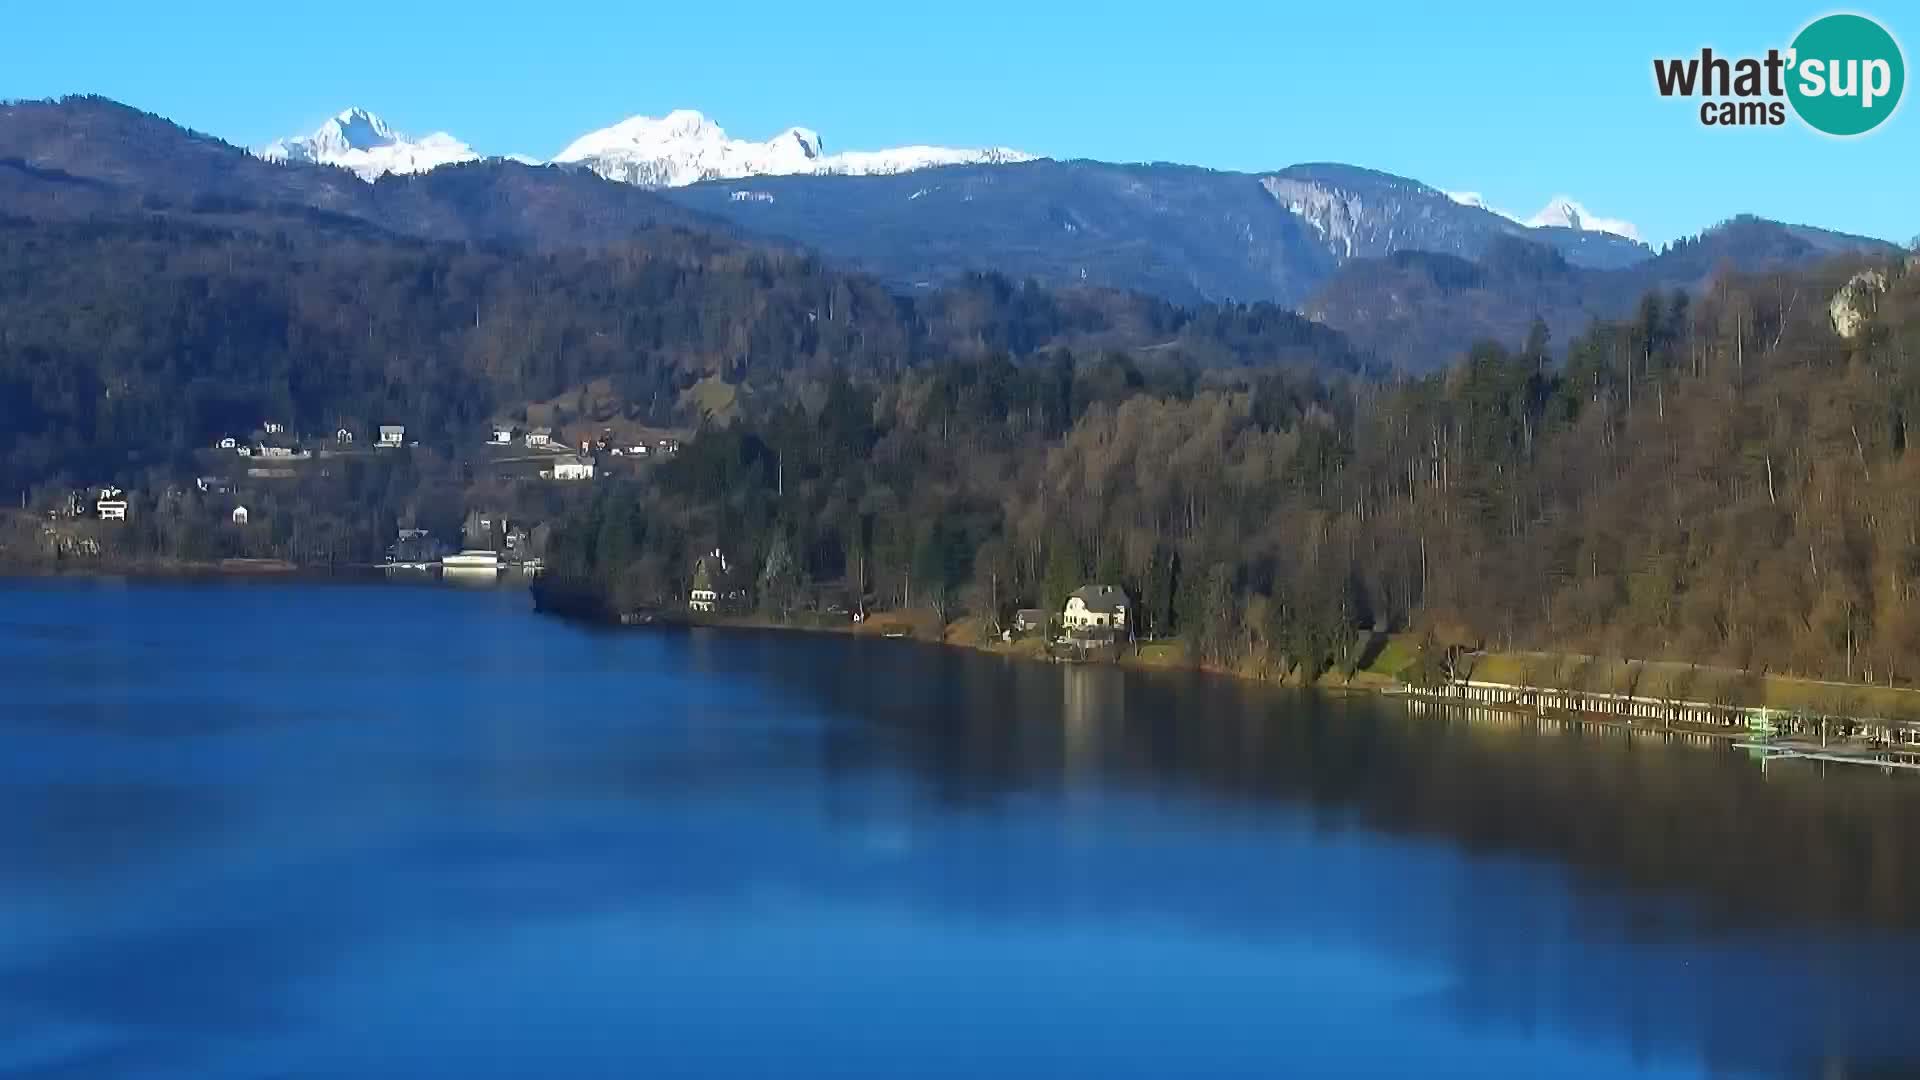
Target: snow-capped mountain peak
point(355, 129)
point(357, 140)
point(1563, 212)
point(685, 147)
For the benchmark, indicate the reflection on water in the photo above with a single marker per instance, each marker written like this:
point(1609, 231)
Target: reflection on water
point(416, 831)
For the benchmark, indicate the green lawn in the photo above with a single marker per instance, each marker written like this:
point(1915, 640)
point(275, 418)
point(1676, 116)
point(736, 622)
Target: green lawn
point(1394, 658)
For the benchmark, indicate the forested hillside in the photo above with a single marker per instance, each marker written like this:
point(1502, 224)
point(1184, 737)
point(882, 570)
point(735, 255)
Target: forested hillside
point(1721, 480)
point(127, 341)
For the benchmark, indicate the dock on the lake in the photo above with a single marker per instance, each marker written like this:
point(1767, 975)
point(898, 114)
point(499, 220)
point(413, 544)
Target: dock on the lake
point(1849, 753)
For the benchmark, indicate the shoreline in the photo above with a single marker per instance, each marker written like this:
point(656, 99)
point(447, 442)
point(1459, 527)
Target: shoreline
point(179, 569)
point(556, 600)
point(1616, 707)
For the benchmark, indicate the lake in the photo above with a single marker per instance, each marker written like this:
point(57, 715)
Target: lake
point(292, 830)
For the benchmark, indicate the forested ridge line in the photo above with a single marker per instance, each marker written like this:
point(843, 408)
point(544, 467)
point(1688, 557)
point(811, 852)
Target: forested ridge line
point(129, 342)
point(1723, 479)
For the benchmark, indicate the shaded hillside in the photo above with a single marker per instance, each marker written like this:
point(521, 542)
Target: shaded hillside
point(1417, 311)
point(1364, 213)
point(1176, 231)
point(1173, 231)
point(145, 338)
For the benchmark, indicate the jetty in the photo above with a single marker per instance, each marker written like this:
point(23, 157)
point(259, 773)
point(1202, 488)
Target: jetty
point(1771, 734)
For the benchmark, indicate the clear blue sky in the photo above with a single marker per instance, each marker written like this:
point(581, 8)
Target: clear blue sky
point(1519, 101)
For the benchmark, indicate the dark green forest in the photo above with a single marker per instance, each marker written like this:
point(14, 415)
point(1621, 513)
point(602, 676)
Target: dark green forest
point(135, 342)
point(1721, 478)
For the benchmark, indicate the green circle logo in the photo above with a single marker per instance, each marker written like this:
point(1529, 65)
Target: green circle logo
point(1847, 74)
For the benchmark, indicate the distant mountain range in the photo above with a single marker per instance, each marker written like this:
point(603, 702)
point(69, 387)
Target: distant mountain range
point(1405, 268)
point(681, 148)
point(1176, 231)
point(685, 148)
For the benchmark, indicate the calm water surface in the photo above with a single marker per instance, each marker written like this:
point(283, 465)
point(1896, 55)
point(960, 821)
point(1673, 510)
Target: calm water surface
point(256, 830)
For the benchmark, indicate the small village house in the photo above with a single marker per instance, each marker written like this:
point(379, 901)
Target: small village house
point(343, 437)
point(111, 505)
point(392, 435)
point(229, 443)
point(1029, 620)
point(240, 515)
point(540, 437)
point(502, 434)
point(710, 582)
point(572, 467)
point(243, 451)
point(273, 427)
point(1099, 608)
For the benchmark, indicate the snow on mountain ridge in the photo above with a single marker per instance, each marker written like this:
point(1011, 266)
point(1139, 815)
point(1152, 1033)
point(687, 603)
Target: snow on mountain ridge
point(361, 142)
point(685, 147)
point(1561, 212)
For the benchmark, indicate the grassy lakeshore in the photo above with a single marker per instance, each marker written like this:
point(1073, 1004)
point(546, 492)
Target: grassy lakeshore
point(1390, 663)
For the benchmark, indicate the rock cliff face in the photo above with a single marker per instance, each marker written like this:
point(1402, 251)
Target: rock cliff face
point(1856, 302)
point(1359, 213)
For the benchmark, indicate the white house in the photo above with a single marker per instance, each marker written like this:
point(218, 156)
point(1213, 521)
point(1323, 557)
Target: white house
point(502, 435)
point(392, 435)
point(709, 578)
point(540, 437)
point(112, 504)
point(273, 428)
point(1096, 607)
point(343, 437)
point(243, 451)
point(229, 443)
point(239, 515)
point(572, 467)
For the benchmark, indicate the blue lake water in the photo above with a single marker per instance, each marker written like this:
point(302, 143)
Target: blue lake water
point(282, 830)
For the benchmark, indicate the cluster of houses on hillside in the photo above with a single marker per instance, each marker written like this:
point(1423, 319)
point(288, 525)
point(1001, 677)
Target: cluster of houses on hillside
point(571, 465)
point(271, 440)
point(504, 434)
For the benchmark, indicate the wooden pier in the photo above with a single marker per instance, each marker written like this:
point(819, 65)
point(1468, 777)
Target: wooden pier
point(1771, 734)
